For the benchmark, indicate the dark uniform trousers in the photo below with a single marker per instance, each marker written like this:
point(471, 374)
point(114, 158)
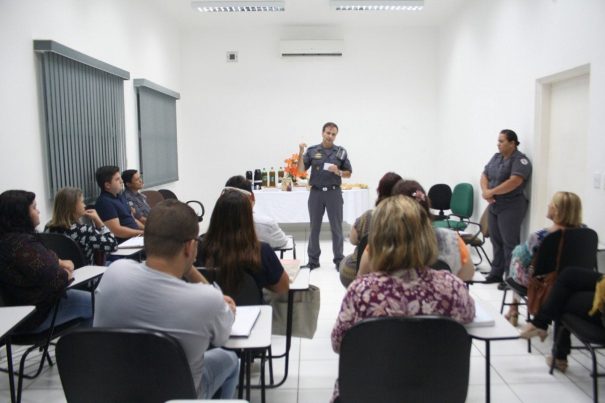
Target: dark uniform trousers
point(320, 201)
point(504, 223)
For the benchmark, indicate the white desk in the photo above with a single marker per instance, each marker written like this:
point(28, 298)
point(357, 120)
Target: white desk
point(10, 317)
point(501, 330)
point(86, 273)
point(291, 207)
point(258, 341)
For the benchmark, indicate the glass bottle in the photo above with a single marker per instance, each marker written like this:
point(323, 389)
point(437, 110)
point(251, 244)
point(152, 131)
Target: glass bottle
point(272, 178)
point(265, 179)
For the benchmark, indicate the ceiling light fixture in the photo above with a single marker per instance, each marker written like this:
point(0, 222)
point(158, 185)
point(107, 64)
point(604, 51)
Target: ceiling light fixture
point(377, 5)
point(234, 6)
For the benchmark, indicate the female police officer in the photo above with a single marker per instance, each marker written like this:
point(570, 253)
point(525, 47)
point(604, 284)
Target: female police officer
point(502, 183)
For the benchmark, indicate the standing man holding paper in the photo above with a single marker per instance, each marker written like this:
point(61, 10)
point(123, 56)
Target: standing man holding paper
point(329, 163)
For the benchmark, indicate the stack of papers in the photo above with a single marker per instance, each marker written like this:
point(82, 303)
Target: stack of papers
point(245, 317)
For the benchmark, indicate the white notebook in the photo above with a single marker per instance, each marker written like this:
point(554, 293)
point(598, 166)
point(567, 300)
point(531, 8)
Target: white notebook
point(292, 267)
point(245, 317)
point(482, 317)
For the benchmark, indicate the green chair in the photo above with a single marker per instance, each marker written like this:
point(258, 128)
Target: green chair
point(461, 207)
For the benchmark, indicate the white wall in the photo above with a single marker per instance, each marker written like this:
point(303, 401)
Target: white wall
point(254, 113)
point(491, 55)
point(126, 34)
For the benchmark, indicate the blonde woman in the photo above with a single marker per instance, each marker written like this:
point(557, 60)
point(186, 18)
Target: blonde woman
point(68, 210)
point(565, 211)
point(401, 245)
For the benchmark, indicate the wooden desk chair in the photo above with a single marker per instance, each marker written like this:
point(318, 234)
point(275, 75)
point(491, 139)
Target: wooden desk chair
point(404, 359)
point(123, 365)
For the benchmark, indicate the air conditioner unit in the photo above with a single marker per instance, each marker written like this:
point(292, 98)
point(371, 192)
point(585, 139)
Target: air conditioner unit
point(299, 48)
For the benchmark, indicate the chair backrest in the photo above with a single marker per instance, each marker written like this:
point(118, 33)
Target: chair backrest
point(168, 194)
point(153, 197)
point(484, 223)
point(462, 200)
point(361, 247)
point(440, 196)
point(579, 249)
point(65, 248)
point(123, 365)
point(248, 292)
point(404, 359)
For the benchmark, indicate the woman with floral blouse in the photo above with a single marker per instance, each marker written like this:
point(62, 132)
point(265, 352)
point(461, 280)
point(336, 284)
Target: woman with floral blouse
point(68, 210)
point(402, 246)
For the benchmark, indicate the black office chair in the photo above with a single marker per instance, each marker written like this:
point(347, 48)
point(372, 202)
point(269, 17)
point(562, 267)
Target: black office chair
point(440, 196)
point(123, 365)
point(579, 249)
point(591, 336)
point(404, 359)
point(65, 248)
point(37, 341)
point(197, 206)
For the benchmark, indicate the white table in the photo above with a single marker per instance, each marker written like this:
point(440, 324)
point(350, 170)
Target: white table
point(501, 330)
point(259, 340)
point(86, 273)
point(10, 317)
point(291, 207)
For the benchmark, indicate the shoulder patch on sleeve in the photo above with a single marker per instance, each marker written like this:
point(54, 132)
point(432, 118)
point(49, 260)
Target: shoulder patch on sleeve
point(524, 161)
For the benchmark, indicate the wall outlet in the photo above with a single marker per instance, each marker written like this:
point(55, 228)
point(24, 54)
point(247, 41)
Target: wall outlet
point(232, 56)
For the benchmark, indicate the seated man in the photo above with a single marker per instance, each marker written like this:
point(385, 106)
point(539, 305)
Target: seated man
point(133, 183)
point(152, 295)
point(112, 207)
point(266, 228)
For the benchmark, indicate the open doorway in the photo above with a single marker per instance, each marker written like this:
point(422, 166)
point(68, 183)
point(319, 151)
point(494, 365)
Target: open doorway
point(560, 158)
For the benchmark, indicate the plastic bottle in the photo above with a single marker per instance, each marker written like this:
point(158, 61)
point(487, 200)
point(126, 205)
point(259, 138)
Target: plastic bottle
point(272, 178)
point(265, 178)
point(280, 174)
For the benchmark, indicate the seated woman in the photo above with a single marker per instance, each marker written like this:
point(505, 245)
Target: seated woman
point(401, 246)
point(30, 274)
point(565, 211)
point(68, 210)
point(451, 249)
point(573, 292)
point(231, 246)
point(348, 266)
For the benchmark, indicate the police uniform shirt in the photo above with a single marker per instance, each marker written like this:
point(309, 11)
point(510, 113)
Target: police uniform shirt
point(499, 169)
point(316, 156)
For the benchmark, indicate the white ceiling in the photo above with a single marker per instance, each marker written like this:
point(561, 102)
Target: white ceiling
point(312, 13)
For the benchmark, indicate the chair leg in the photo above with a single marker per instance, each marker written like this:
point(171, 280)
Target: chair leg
point(270, 358)
point(480, 257)
point(503, 300)
point(485, 254)
point(595, 386)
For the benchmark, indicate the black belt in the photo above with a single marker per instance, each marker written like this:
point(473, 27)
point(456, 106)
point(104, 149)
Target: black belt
point(325, 188)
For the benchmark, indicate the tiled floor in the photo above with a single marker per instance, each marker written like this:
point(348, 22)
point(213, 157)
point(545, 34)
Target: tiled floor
point(516, 375)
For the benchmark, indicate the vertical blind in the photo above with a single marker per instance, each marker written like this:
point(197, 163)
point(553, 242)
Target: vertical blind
point(83, 100)
point(157, 132)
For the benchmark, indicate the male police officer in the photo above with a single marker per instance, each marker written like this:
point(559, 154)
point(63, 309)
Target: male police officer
point(329, 163)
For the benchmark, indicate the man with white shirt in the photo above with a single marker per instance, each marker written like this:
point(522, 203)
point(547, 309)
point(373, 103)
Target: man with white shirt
point(152, 295)
point(267, 229)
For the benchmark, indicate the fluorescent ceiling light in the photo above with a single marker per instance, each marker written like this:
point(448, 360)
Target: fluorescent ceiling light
point(231, 6)
point(377, 5)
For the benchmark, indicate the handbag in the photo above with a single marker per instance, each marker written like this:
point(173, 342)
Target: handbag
point(305, 311)
point(538, 287)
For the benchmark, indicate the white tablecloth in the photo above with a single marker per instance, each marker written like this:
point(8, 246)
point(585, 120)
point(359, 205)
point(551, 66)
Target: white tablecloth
point(291, 207)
